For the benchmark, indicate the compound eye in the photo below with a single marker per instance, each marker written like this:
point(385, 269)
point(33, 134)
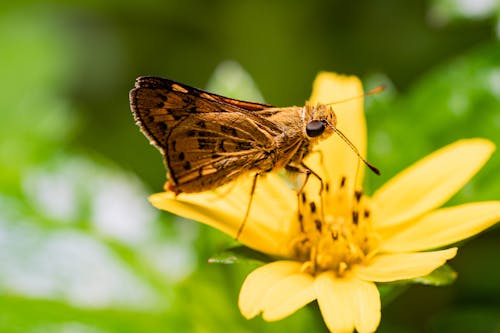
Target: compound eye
point(315, 128)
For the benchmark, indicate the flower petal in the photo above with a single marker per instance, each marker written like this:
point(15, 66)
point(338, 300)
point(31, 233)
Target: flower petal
point(368, 312)
point(258, 284)
point(336, 301)
point(403, 266)
point(430, 182)
point(444, 226)
point(348, 303)
point(288, 295)
point(336, 159)
point(269, 218)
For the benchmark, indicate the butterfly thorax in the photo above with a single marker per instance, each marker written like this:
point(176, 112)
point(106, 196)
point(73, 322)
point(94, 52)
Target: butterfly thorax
point(303, 127)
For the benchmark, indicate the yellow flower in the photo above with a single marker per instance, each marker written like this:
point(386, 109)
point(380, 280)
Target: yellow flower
point(334, 249)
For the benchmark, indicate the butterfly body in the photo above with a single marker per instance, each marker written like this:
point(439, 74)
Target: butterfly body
point(208, 140)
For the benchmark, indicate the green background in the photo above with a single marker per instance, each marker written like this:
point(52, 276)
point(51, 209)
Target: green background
point(81, 250)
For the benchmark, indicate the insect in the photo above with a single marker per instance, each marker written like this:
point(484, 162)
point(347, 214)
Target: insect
point(208, 140)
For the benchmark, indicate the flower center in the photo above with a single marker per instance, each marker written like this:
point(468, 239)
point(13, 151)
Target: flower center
point(335, 229)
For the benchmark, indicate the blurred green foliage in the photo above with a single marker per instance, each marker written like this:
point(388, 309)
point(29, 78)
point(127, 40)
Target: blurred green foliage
point(81, 250)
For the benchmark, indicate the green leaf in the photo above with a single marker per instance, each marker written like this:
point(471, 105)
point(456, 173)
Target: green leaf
point(239, 255)
point(441, 276)
point(21, 314)
point(454, 101)
point(443, 12)
point(390, 291)
point(230, 79)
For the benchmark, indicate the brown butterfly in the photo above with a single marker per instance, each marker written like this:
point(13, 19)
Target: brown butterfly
point(208, 140)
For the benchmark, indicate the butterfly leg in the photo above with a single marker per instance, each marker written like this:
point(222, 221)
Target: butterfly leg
point(321, 159)
point(252, 191)
point(301, 197)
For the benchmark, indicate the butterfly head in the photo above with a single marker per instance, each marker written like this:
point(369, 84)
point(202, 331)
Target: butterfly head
point(320, 121)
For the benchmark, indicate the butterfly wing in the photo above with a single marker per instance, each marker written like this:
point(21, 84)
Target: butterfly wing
point(159, 104)
point(207, 139)
point(158, 82)
point(213, 149)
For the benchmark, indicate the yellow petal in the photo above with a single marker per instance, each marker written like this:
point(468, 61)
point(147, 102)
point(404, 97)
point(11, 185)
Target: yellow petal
point(336, 159)
point(336, 301)
point(444, 226)
point(288, 295)
point(368, 312)
point(260, 282)
point(271, 212)
point(430, 182)
point(403, 266)
point(348, 303)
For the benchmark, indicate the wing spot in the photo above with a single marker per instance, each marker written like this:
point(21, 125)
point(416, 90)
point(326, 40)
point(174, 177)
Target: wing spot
point(207, 96)
point(244, 145)
point(181, 156)
point(206, 143)
point(162, 97)
point(162, 126)
point(228, 130)
point(221, 146)
point(176, 87)
point(204, 134)
point(186, 165)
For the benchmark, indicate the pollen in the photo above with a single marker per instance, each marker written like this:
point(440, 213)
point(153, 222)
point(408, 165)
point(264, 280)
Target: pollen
point(336, 231)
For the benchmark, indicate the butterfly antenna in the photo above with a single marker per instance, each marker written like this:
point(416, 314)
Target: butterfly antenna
point(374, 91)
point(355, 150)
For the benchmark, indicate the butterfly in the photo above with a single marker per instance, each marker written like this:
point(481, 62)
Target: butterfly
point(208, 140)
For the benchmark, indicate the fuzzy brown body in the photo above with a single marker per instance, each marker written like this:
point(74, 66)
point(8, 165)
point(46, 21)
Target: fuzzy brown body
point(208, 140)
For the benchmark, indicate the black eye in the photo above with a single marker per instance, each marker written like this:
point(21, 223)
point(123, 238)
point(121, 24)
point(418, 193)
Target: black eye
point(315, 128)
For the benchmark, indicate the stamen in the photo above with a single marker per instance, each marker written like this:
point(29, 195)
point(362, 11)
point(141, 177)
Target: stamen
point(355, 217)
point(343, 181)
point(339, 238)
point(301, 222)
point(318, 224)
point(312, 205)
point(342, 268)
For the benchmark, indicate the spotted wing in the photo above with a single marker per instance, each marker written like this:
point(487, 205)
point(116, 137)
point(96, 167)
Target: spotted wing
point(160, 104)
point(207, 140)
point(212, 149)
